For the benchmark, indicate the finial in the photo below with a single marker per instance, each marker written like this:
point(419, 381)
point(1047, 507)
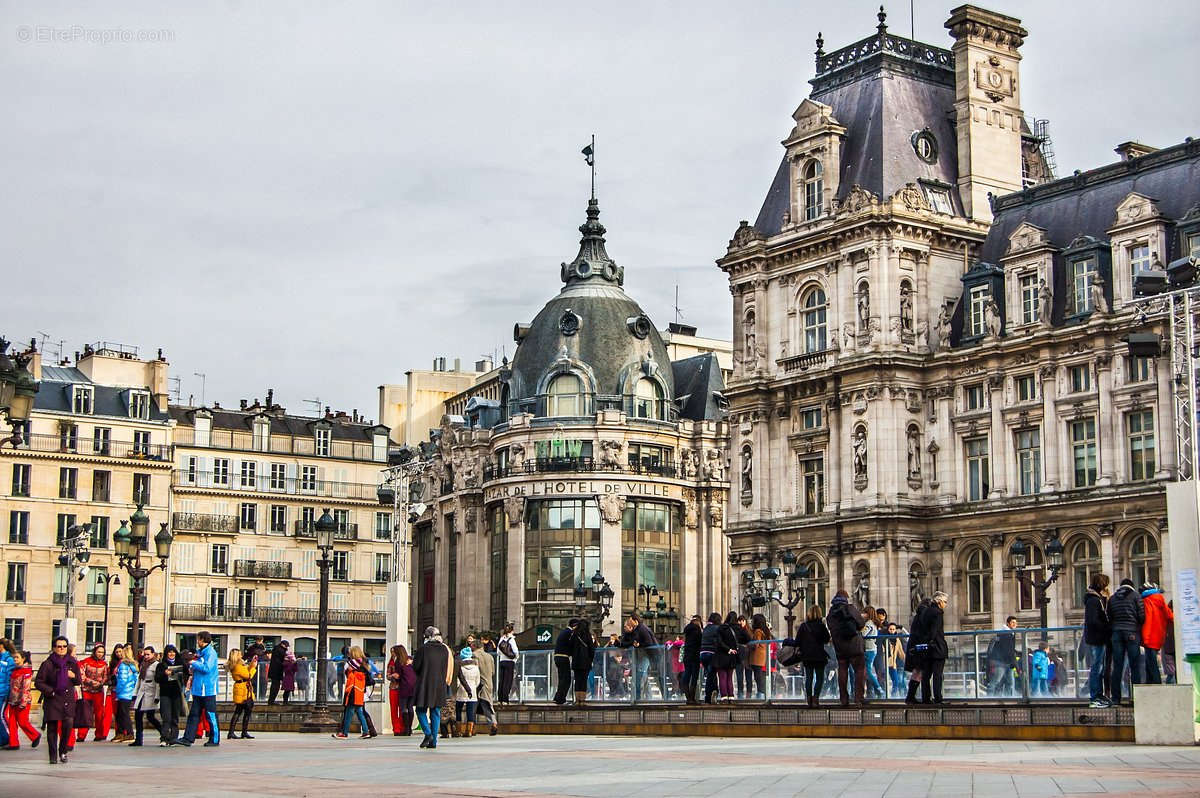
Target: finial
point(820, 44)
point(882, 15)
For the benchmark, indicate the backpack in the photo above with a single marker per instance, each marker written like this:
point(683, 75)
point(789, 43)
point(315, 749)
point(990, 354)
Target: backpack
point(506, 649)
point(846, 626)
point(789, 652)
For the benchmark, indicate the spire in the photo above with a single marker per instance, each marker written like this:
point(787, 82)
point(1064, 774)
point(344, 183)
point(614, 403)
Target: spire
point(882, 16)
point(593, 261)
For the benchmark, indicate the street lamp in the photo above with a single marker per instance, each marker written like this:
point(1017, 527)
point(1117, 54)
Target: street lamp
point(108, 580)
point(1019, 556)
point(765, 588)
point(17, 389)
point(319, 720)
point(602, 597)
point(74, 550)
point(129, 541)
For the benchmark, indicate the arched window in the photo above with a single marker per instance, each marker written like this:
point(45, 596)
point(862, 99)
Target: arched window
point(979, 581)
point(1026, 596)
point(815, 330)
point(1084, 560)
point(813, 190)
point(648, 400)
point(1145, 559)
point(565, 396)
point(817, 583)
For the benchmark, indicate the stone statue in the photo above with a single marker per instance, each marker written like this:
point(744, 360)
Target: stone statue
point(687, 463)
point(991, 319)
point(747, 469)
point(859, 447)
point(848, 334)
point(906, 309)
point(1099, 303)
point(714, 465)
point(691, 513)
point(514, 508)
point(914, 453)
point(862, 588)
point(610, 455)
point(516, 457)
point(715, 515)
point(864, 308)
point(612, 505)
point(943, 327)
point(749, 341)
point(1045, 298)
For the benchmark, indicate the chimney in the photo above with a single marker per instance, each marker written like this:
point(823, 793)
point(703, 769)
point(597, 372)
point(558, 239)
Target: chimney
point(1131, 149)
point(270, 398)
point(483, 365)
point(243, 403)
point(457, 364)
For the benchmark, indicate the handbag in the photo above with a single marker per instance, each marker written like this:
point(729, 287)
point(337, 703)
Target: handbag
point(85, 715)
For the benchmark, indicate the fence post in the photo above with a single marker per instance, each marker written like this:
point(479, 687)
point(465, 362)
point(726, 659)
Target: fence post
point(975, 638)
point(1025, 665)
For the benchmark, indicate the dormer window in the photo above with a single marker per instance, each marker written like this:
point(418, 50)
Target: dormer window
point(1139, 259)
point(938, 199)
point(978, 302)
point(262, 434)
point(648, 402)
point(813, 189)
point(203, 430)
point(139, 404)
point(81, 399)
point(322, 438)
point(1083, 274)
point(565, 397)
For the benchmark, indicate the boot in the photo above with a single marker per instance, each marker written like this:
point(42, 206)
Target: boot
point(470, 730)
point(911, 698)
point(580, 698)
point(232, 734)
point(445, 733)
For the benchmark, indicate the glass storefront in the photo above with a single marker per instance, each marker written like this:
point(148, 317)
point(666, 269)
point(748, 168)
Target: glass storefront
point(562, 548)
point(650, 543)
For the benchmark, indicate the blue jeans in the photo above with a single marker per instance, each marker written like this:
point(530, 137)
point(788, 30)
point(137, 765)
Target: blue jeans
point(641, 682)
point(1000, 679)
point(897, 677)
point(205, 705)
point(1096, 672)
point(872, 679)
point(430, 720)
point(1125, 646)
point(1150, 666)
point(354, 711)
point(1039, 685)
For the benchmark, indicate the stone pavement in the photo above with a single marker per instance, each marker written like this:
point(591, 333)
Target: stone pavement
point(298, 765)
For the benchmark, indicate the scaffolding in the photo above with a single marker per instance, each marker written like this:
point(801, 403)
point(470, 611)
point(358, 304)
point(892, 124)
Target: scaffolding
point(1037, 133)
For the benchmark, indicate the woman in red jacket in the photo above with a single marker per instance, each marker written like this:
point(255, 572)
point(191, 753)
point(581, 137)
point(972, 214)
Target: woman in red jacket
point(20, 698)
point(94, 675)
point(402, 686)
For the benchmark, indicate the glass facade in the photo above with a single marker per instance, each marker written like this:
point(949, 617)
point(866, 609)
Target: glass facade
point(650, 543)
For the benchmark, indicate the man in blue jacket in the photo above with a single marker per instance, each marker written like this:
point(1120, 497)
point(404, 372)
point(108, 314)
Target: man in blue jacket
point(6, 669)
point(204, 693)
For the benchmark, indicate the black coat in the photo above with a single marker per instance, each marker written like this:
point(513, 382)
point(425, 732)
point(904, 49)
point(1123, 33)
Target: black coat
point(691, 642)
point(811, 638)
point(727, 648)
point(1126, 612)
point(842, 616)
point(1097, 631)
point(582, 649)
point(710, 638)
point(431, 663)
point(641, 635)
point(562, 643)
point(275, 669)
point(1003, 649)
point(929, 628)
point(170, 685)
point(57, 705)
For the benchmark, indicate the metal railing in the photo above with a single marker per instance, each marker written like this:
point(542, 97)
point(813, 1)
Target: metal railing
point(555, 465)
point(290, 486)
point(306, 529)
point(262, 569)
point(295, 616)
point(203, 522)
point(77, 444)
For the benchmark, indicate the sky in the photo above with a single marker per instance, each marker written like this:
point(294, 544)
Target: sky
point(317, 197)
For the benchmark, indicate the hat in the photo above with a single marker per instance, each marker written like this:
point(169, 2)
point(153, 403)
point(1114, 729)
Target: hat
point(1149, 586)
point(466, 653)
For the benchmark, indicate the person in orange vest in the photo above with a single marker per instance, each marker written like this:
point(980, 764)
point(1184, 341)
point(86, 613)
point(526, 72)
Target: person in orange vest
point(1154, 630)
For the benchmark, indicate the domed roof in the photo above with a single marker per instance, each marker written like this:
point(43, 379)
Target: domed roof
point(593, 329)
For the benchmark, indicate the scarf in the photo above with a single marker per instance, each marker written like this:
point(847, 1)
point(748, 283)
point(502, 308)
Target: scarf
point(61, 661)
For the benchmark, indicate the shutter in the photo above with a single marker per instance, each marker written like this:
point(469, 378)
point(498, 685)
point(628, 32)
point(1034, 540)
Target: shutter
point(290, 484)
point(203, 472)
point(184, 595)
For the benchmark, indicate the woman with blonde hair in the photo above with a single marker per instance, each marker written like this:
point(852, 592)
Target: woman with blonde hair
point(125, 680)
point(354, 693)
point(242, 674)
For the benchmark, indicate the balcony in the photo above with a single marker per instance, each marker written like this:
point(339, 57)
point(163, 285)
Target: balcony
point(262, 569)
point(239, 441)
point(202, 522)
point(289, 486)
point(802, 362)
point(587, 465)
point(125, 450)
point(277, 616)
point(305, 529)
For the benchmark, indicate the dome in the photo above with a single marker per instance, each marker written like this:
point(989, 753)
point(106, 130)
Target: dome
point(594, 336)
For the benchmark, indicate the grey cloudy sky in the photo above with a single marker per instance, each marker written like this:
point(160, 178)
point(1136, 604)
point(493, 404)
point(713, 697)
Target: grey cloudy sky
point(317, 197)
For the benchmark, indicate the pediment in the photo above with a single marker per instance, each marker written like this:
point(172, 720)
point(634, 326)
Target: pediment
point(812, 118)
point(1027, 236)
point(1136, 208)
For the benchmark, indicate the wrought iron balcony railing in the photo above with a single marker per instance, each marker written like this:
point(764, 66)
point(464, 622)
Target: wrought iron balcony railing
point(203, 522)
point(280, 616)
point(305, 529)
point(78, 444)
point(262, 569)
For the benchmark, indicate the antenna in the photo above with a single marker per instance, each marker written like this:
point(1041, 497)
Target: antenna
point(316, 402)
point(175, 387)
point(58, 344)
point(678, 312)
point(912, 19)
point(203, 383)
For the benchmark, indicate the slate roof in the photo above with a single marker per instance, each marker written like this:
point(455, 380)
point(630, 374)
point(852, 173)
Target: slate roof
point(281, 423)
point(55, 393)
point(1086, 204)
point(699, 387)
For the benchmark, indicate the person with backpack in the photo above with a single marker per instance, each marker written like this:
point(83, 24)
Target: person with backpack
point(811, 638)
point(690, 657)
point(927, 650)
point(845, 624)
point(507, 647)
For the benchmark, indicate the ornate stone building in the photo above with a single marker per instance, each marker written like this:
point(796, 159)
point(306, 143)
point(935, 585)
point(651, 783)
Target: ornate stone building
point(591, 452)
point(917, 384)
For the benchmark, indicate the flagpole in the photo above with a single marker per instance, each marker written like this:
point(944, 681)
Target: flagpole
point(593, 165)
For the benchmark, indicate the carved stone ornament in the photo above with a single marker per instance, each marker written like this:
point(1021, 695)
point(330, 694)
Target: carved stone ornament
point(690, 509)
point(744, 235)
point(912, 198)
point(612, 505)
point(514, 509)
point(569, 322)
point(714, 465)
point(858, 198)
point(610, 454)
point(715, 514)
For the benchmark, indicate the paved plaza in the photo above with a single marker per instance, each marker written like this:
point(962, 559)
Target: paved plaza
point(299, 765)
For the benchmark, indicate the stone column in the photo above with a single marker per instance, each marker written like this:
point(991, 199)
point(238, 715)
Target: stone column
point(691, 545)
point(610, 555)
point(514, 516)
point(1000, 607)
point(833, 455)
point(1000, 448)
point(1108, 427)
point(1050, 430)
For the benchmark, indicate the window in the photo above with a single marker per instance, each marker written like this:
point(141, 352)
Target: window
point(973, 396)
point(650, 551)
point(498, 565)
point(1139, 369)
point(1029, 461)
point(65, 522)
point(15, 587)
point(61, 584)
point(1026, 595)
point(1084, 561)
point(308, 478)
point(563, 448)
point(1083, 274)
point(190, 470)
point(219, 559)
point(814, 188)
point(342, 519)
point(99, 532)
point(1139, 259)
point(141, 442)
point(81, 399)
point(565, 397)
point(341, 566)
point(810, 418)
point(262, 434)
point(979, 581)
point(648, 458)
point(20, 479)
point(278, 476)
point(1029, 299)
point(68, 437)
point(249, 474)
point(308, 517)
point(18, 526)
point(245, 602)
point(141, 488)
point(978, 470)
point(1145, 560)
point(278, 518)
point(94, 633)
point(102, 440)
point(323, 436)
point(383, 526)
point(383, 567)
point(815, 329)
point(203, 431)
point(101, 485)
point(812, 484)
point(249, 516)
point(648, 401)
point(97, 587)
point(817, 582)
point(1193, 245)
point(562, 546)
point(1083, 451)
point(1081, 378)
point(14, 630)
point(139, 404)
point(216, 602)
point(939, 200)
point(67, 482)
point(1026, 388)
point(1140, 427)
point(220, 471)
point(979, 297)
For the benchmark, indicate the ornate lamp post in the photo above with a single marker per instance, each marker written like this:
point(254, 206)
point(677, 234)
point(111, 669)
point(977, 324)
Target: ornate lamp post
point(74, 550)
point(1019, 558)
point(765, 588)
point(128, 542)
point(17, 389)
point(319, 720)
point(108, 580)
point(602, 598)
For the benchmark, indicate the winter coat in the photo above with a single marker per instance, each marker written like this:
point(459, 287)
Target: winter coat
point(487, 675)
point(811, 638)
point(20, 689)
point(894, 652)
point(743, 644)
point(146, 698)
point(204, 672)
point(275, 668)
point(289, 672)
point(170, 685)
point(1097, 631)
point(354, 691)
point(757, 657)
point(641, 635)
point(468, 681)
point(6, 670)
point(844, 616)
point(432, 665)
point(1126, 610)
point(1041, 665)
point(691, 642)
point(936, 633)
point(583, 652)
point(1158, 616)
point(93, 675)
point(710, 638)
point(505, 641)
point(401, 678)
point(870, 635)
point(243, 687)
point(56, 706)
point(1003, 650)
point(127, 680)
point(726, 656)
point(562, 643)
